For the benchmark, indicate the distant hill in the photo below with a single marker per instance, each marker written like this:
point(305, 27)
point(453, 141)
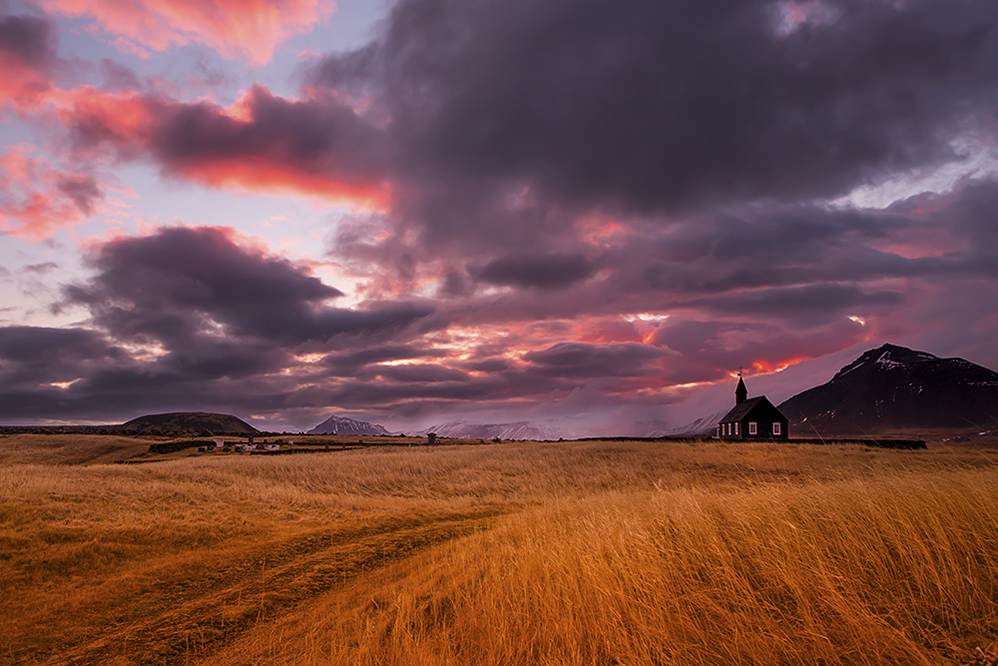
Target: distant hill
point(705, 425)
point(180, 422)
point(518, 430)
point(894, 387)
point(338, 425)
point(702, 427)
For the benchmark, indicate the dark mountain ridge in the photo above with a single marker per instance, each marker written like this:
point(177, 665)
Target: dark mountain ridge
point(894, 387)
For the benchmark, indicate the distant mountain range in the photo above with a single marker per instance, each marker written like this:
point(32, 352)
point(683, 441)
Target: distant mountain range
point(187, 422)
point(518, 430)
point(703, 426)
point(894, 387)
point(888, 388)
point(339, 425)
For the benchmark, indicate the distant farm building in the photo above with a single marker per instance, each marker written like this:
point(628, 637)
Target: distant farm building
point(752, 418)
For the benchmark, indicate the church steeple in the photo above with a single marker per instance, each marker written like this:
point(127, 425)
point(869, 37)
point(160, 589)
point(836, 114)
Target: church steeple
point(741, 393)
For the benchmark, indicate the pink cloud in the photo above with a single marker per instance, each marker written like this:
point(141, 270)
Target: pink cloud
point(21, 87)
point(250, 29)
point(36, 198)
point(262, 143)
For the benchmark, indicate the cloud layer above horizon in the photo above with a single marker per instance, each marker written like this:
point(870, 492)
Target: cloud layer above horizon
point(496, 210)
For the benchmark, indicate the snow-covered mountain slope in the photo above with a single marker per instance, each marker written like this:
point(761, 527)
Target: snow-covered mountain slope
point(338, 425)
point(894, 387)
point(466, 430)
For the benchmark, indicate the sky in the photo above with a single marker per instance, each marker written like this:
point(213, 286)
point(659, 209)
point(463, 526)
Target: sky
point(582, 212)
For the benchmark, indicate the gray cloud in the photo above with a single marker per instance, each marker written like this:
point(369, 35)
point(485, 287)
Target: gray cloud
point(576, 359)
point(29, 40)
point(82, 190)
point(662, 105)
point(543, 271)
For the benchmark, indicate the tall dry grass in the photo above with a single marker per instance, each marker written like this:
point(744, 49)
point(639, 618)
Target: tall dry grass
point(900, 570)
point(515, 554)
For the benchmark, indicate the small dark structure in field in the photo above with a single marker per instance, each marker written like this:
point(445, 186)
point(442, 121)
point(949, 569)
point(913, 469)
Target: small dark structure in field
point(170, 447)
point(431, 438)
point(755, 418)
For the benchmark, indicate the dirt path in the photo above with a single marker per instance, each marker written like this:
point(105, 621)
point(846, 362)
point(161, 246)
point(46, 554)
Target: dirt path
point(194, 613)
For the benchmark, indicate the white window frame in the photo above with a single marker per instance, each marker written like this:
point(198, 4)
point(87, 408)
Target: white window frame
point(736, 428)
point(777, 429)
point(753, 428)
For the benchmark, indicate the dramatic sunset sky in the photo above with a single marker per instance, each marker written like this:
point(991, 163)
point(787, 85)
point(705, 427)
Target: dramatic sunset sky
point(572, 211)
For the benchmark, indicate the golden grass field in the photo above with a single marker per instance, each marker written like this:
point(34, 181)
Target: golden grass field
point(514, 553)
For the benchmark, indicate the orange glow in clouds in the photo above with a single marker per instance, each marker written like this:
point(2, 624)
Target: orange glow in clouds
point(249, 29)
point(256, 174)
point(600, 230)
point(767, 368)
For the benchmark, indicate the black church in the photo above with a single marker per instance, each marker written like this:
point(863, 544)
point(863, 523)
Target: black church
point(755, 418)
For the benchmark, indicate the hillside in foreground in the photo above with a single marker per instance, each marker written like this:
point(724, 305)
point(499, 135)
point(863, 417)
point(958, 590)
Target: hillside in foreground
point(181, 422)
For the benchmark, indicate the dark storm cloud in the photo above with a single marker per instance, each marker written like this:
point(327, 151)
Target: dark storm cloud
point(350, 362)
point(488, 365)
point(323, 138)
point(217, 326)
point(214, 304)
point(651, 105)
point(543, 271)
point(200, 271)
point(28, 40)
point(577, 359)
point(207, 359)
point(735, 251)
point(972, 213)
point(38, 355)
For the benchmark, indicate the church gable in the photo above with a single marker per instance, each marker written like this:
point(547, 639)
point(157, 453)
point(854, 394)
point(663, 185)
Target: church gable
point(752, 418)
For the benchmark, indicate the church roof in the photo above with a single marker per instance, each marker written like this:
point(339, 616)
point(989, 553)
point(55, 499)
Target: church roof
point(741, 412)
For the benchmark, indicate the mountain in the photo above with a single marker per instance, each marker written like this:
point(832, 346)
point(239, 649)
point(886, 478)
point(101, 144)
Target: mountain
point(338, 425)
point(894, 387)
point(465, 430)
point(643, 429)
point(703, 426)
point(179, 422)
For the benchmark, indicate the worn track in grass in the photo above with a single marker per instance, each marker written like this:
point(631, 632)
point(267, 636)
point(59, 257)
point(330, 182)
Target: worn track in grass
point(192, 614)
